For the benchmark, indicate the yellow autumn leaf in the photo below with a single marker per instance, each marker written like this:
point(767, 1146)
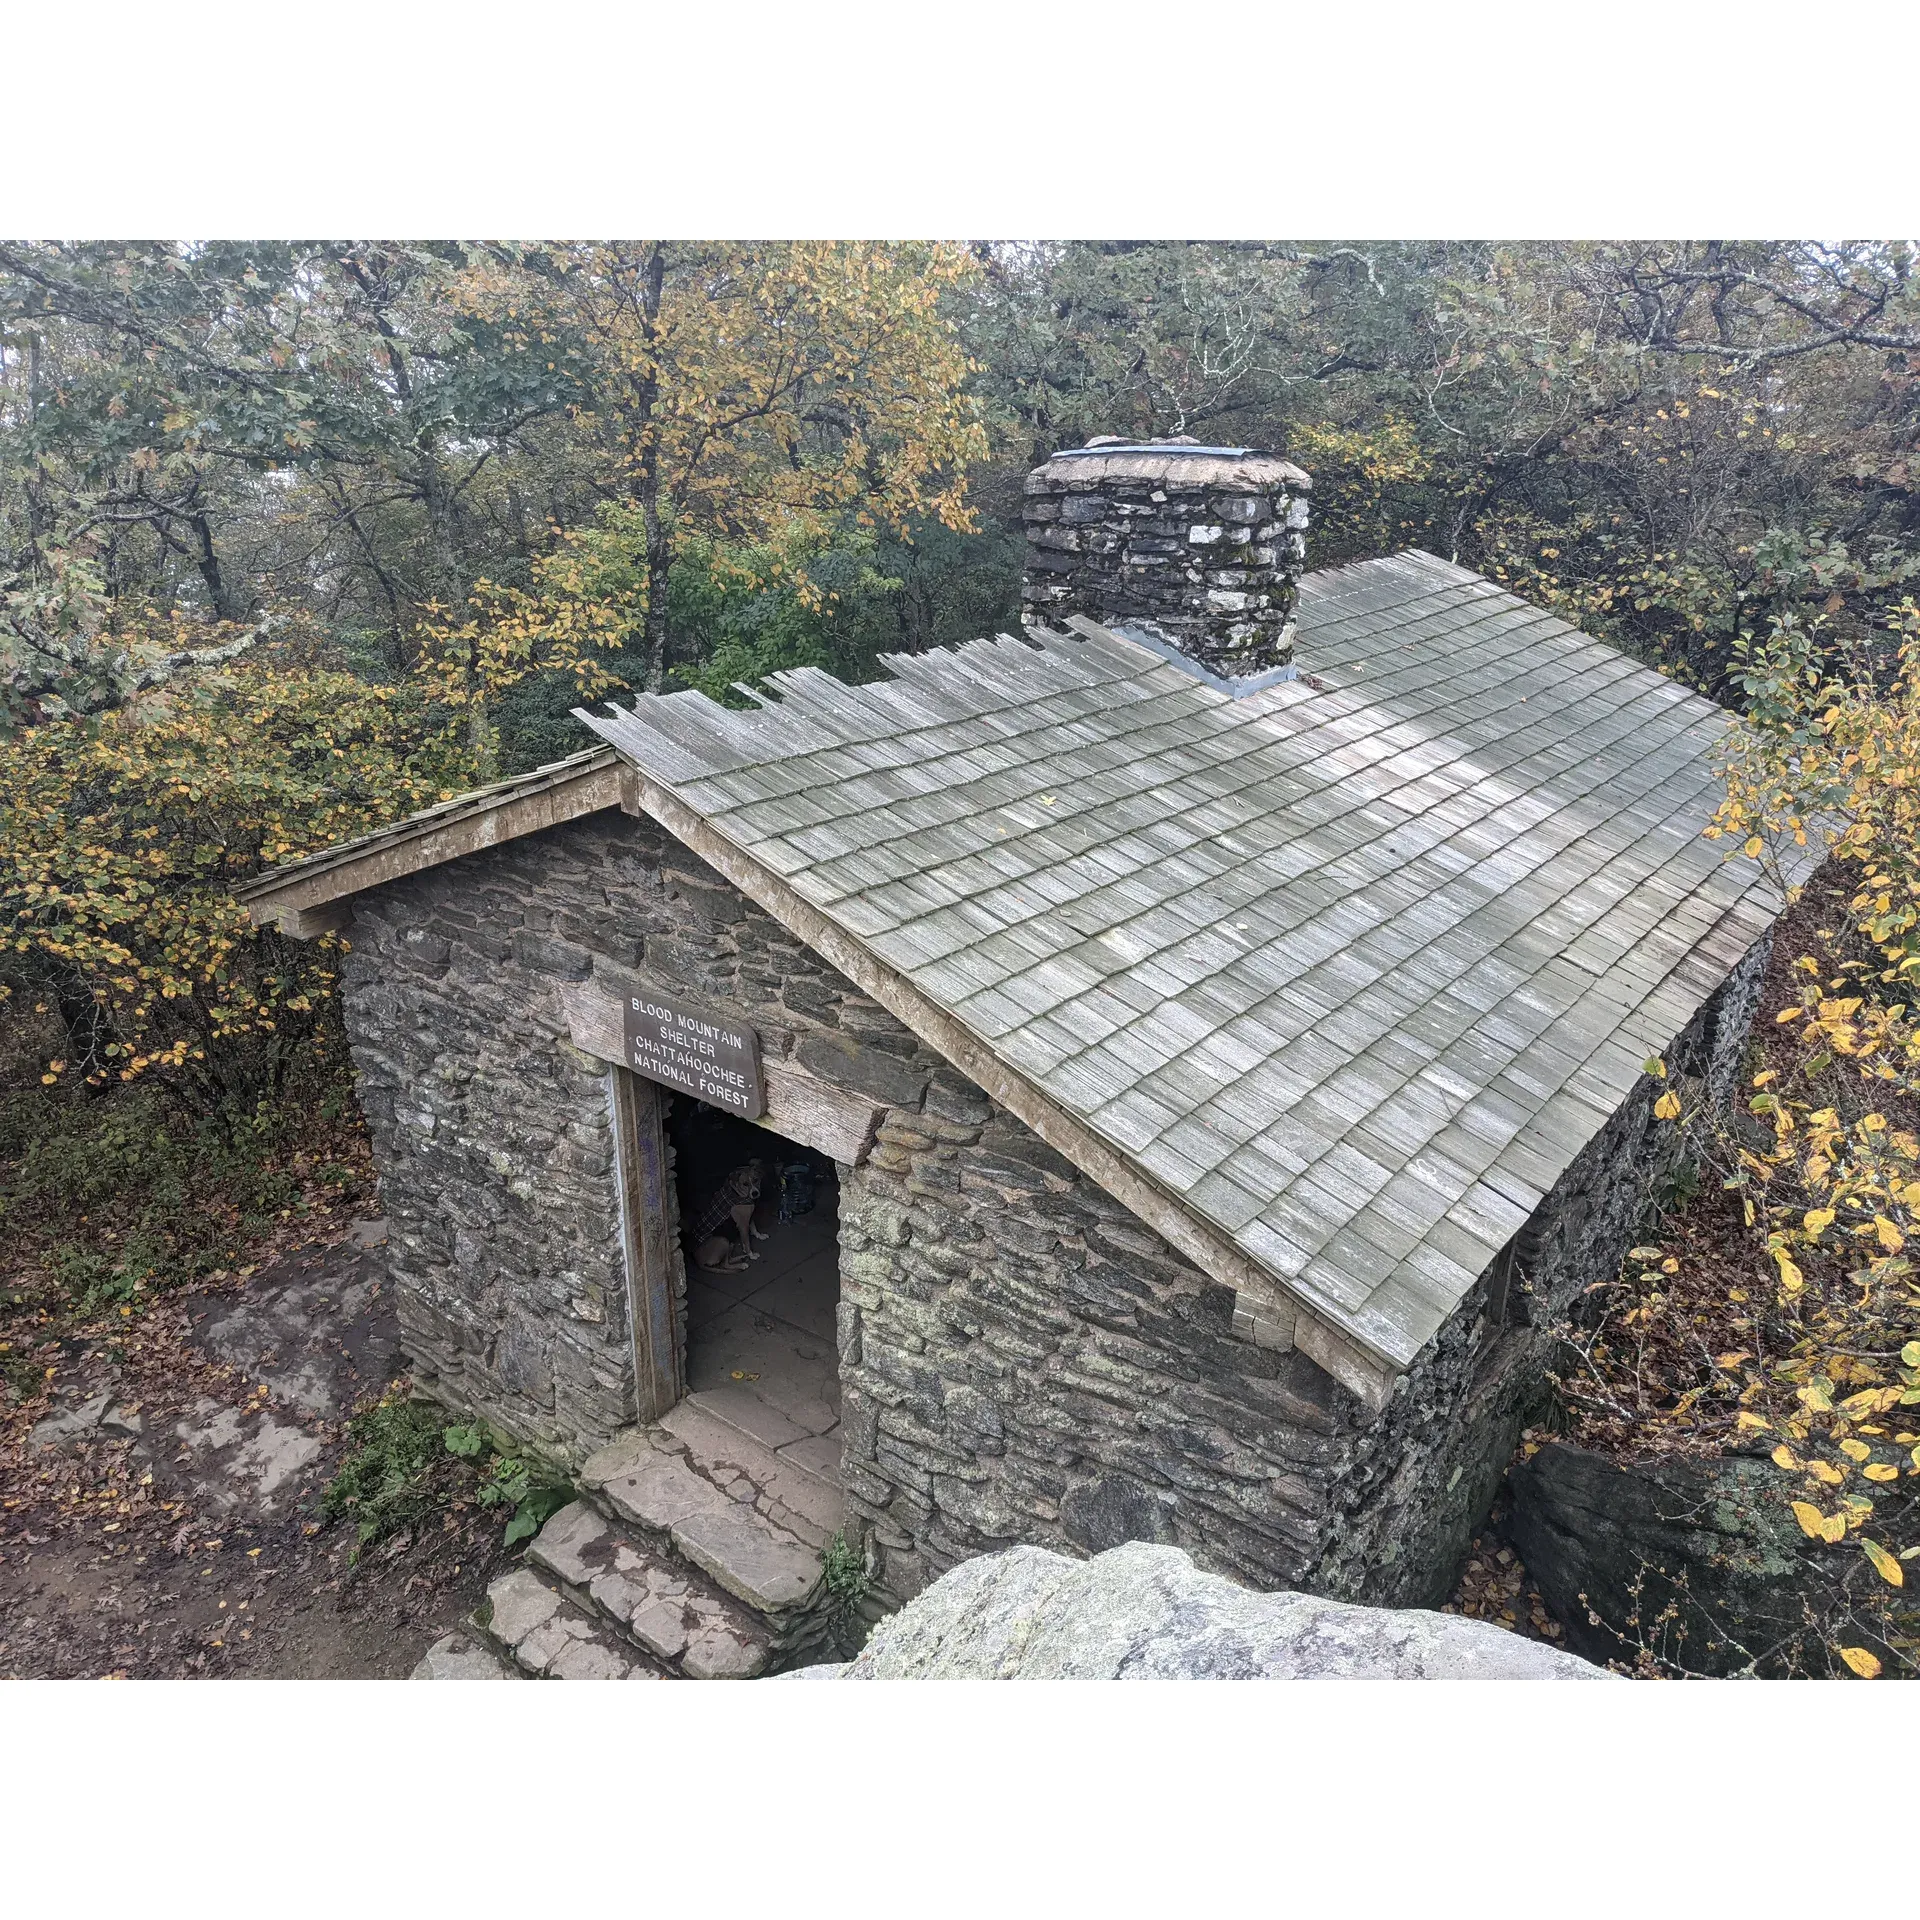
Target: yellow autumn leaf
point(1785, 1458)
point(1785, 1014)
point(1818, 1220)
point(1865, 1664)
point(1881, 1471)
point(1815, 1398)
point(1667, 1107)
point(1753, 847)
point(1884, 1564)
point(1833, 1528)
point(1752, 1422)
point(1856, 1449)
point(1826, 1472)
point(1888, 1234)
point(1812, 1521)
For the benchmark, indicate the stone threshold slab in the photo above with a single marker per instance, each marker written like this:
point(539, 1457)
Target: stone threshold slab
point(648, 1478)
point(716, 1431)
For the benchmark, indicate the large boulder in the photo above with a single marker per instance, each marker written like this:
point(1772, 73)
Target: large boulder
point(1142, 1612)
point(1698, 1562)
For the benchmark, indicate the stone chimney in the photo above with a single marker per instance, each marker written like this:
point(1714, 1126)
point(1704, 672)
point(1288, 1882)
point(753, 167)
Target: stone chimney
point(1195, 550)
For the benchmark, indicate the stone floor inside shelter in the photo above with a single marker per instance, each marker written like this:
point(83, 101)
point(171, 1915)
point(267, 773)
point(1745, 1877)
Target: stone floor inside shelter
point(761, 1346)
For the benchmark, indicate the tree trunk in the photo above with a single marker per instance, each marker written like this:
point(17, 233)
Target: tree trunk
point(482, 740)
point(88, 1032)
point(226, 606)
point(647, 479)
point(659, 559)
point(39, 512)
point(444, 584)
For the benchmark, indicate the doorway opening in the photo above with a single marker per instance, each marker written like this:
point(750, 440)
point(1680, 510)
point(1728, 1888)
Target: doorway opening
point(759, 1219)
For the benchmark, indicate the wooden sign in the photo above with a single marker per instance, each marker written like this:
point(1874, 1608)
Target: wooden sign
point(717, 1061)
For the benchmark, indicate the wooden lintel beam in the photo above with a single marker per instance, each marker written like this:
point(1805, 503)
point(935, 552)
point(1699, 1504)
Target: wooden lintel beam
point(800, 1107)
point(303, 923)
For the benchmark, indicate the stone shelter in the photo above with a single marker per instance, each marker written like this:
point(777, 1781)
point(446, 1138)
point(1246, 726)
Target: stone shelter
point(1210, 1028)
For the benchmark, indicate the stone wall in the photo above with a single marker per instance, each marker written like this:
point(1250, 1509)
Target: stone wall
point(1208, 550)
point(495, 1145)
point(1022, 1359)
point(495, 1136)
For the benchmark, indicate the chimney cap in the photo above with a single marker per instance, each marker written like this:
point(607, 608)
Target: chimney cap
point(1181, 461)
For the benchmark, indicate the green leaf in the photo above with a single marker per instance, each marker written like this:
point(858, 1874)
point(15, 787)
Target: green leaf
point(537, 1504)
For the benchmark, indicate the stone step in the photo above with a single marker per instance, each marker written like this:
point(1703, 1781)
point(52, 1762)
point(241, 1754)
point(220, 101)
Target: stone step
point(790, 1489)
point(662, 1607)
point(723, 1504)
point(458, 1656)
point(548, 1636)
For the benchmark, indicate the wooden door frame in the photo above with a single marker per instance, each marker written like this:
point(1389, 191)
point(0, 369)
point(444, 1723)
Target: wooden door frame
point(649, 1217)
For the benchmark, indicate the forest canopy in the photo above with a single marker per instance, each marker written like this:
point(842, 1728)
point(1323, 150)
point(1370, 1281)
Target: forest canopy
point(448, 490)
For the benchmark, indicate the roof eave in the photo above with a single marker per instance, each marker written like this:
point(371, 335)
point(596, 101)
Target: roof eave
point(313, 896)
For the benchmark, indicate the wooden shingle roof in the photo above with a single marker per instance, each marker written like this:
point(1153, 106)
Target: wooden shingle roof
point(1349, 969)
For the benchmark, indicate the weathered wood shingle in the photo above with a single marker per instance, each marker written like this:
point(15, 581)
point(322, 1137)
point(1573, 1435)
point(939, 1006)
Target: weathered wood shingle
point(1352, 967)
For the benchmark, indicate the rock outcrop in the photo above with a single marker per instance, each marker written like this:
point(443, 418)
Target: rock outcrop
point(1143, 1612)
point(1698, 1562)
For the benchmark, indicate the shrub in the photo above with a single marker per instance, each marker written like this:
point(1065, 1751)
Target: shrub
point(111, 1200)
point(405, 1464)
point(1789, 1324)
point(386, 1481)
point(122, 837)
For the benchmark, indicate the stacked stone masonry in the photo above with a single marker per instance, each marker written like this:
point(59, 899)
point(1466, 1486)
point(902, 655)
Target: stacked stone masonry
point(1022, 1360)
point(1206, 550)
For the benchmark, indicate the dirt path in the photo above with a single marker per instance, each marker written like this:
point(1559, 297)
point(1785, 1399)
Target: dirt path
point(160, 1519)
